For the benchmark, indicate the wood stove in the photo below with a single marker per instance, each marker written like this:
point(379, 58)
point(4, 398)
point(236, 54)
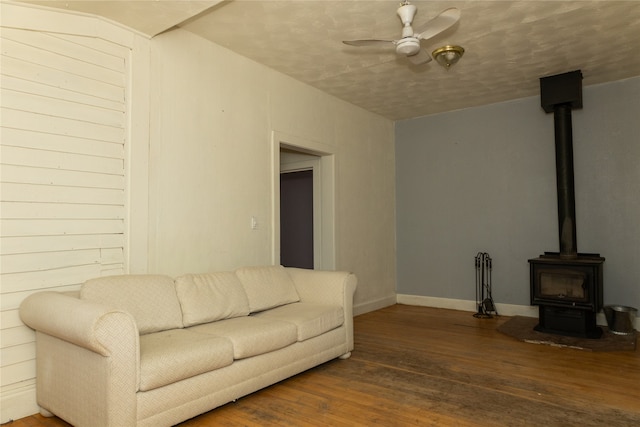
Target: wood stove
point(566, 285)
point(568, 293)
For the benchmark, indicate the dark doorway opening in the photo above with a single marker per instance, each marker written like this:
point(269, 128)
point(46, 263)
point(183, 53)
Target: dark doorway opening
point(296, 219)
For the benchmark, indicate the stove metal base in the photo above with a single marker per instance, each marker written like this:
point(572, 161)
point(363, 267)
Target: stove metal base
point(569, 322)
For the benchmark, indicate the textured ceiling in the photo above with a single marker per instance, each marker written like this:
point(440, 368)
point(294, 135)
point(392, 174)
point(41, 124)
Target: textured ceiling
point(509, 45)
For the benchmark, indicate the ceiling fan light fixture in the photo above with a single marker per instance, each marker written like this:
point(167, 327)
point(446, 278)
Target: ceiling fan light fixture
point(448, 55)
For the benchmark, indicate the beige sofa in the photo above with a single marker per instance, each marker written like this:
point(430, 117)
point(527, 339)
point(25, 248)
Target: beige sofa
point(149, 350)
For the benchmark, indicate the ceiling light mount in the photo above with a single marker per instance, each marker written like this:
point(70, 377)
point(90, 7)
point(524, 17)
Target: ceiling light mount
point(448, 55)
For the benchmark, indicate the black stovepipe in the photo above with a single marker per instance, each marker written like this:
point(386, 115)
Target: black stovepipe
point(565, 181)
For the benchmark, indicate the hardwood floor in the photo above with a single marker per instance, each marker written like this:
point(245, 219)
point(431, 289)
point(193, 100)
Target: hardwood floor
point(418, 366)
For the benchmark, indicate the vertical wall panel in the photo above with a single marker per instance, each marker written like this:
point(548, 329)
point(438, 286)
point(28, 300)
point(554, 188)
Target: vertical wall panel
point(63, 124)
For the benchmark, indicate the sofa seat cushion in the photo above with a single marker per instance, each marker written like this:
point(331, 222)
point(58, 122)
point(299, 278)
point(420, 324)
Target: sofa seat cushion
point(176, 354)
point(251, 336)
point(310, 319)
point(211, 296)
point(267, 287)
point(150, 299)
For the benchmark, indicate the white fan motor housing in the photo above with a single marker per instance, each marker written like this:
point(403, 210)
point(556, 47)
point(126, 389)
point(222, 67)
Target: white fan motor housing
point(408, 46)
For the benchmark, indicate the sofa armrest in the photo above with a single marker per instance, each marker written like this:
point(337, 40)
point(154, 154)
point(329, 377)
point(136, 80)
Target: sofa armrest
point(71, 319)
point(324, 287)
point(87, 359)
point(328, 287)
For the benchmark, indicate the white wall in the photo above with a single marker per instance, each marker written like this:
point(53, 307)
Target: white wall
point(212, 119)
point(483, 179)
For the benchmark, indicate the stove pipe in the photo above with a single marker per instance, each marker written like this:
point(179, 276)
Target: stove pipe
point(560, 94)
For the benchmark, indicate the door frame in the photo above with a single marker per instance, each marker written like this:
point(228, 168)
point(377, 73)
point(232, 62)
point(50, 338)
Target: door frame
point(324, 248)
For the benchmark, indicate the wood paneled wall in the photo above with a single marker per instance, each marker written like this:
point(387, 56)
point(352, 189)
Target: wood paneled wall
point(63, 196)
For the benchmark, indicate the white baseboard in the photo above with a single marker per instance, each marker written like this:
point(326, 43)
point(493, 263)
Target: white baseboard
point(466, 305)
point(374, 305)
point(452, 304)
point(448, 303)
point(18, 401)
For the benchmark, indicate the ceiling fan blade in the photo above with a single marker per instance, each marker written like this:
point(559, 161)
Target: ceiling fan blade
point(446, 19)
point(419, 58)
point(367, 42)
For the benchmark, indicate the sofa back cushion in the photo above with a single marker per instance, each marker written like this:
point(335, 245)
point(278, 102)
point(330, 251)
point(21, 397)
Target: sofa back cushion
point(150, 299)
point(212, 296)
point(267, 287)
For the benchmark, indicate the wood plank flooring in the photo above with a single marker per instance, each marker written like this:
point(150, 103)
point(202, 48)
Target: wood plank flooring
point(418, 366)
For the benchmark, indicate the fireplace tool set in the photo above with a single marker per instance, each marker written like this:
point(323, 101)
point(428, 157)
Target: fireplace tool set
point(484, 300)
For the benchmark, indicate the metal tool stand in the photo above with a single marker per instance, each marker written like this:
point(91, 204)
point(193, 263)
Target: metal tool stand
point(484, 300)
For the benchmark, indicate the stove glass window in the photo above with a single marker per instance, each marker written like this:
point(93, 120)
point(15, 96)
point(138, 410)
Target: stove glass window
point(557, 284)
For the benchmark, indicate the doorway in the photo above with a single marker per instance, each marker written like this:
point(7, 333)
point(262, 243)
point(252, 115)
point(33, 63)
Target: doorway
point(300, 209)
point(296, 219)
point(307, 164)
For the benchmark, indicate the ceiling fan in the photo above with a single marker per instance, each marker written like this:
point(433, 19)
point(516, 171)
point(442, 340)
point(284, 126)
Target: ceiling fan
point(409, 44)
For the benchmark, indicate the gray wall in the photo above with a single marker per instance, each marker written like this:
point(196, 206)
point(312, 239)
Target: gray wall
point(483, 180)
